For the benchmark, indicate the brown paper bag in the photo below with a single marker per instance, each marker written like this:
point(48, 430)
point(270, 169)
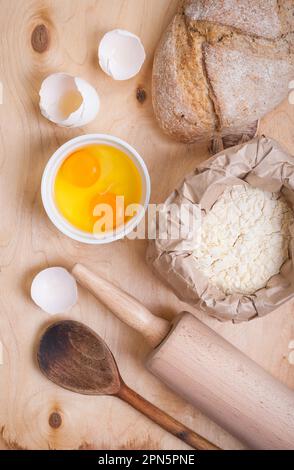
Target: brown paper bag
point(261, 163)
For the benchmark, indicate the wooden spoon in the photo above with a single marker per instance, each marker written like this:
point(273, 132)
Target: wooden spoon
point(74, 357)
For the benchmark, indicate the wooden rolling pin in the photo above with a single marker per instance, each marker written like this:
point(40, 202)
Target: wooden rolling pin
point(201, 366)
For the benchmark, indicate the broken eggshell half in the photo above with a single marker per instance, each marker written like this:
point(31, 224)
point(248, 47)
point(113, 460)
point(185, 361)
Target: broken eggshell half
point(121, 54)
point(68, 101)
point(54, 290)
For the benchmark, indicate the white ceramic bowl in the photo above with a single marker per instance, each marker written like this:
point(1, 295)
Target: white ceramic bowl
point(48, 179)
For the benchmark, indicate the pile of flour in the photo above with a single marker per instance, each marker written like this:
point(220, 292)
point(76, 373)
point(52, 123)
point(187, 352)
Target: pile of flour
point(244, 239)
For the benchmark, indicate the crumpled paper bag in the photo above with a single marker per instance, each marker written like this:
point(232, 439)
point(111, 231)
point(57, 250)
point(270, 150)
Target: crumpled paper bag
point(261, 163)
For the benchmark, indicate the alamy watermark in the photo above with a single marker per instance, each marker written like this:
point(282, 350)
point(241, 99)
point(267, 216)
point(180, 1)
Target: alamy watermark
point(159, 221)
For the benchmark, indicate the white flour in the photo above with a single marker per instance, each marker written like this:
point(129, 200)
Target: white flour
point(244, 239)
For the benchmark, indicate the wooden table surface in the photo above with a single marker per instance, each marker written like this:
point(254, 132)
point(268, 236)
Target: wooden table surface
point(35, 414)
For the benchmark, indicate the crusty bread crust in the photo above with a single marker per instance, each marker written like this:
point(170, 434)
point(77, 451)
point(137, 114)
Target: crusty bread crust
point(180, 90)
point(251, 86)
point(258, 18)
point(221, 65)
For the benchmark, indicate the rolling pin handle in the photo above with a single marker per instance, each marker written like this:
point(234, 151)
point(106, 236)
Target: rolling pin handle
point(123, 305)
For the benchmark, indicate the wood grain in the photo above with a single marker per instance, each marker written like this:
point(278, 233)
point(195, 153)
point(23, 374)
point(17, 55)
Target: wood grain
point(74, 357)
point(29, 242)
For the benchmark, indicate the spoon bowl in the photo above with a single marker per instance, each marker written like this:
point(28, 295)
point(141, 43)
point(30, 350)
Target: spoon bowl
point(76, 358)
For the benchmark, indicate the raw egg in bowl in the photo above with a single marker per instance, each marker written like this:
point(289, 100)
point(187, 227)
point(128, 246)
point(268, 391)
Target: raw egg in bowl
point(95, 188)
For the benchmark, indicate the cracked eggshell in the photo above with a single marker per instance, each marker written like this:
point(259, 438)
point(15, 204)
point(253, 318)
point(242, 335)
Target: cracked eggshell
point(54, 290)
point(68, 101)
point(121, 54)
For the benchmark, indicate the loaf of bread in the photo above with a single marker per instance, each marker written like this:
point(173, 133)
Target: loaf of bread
point(222, 65)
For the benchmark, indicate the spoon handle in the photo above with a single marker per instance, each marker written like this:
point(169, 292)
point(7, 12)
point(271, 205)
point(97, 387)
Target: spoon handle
point(164, 420)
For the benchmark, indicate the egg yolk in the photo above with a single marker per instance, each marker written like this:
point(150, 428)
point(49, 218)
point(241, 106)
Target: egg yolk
point(81, 169)
point(94, 186)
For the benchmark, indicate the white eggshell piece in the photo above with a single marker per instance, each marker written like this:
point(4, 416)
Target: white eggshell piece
point(121, 54)
point(68, 101)
point(54, 290)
